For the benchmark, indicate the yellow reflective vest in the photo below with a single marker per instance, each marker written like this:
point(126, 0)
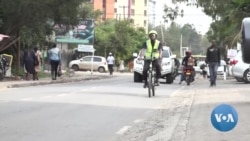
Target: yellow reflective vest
point(154, 50)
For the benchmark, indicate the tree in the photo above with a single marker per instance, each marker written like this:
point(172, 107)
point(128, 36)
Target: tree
point(227, 20)
point(119, 37)
point(30, 19)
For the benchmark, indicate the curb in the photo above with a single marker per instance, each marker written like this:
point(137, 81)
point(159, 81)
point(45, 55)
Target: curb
point(37, 83)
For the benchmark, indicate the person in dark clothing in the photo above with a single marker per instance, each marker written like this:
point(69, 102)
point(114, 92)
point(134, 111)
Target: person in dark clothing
point(213, 61)
point(186, 63)
point(152, 49)
point(29, 60)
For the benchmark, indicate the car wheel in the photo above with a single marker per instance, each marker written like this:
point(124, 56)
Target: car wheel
point(75, 67)
point(247, 76)
point(170, 78)
point(101, 69)
point(137, 77)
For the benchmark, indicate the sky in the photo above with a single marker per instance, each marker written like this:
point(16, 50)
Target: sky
point(192, 15)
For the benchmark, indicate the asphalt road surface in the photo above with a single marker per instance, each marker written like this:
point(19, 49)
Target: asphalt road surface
point(118, 109)
point(84, 111)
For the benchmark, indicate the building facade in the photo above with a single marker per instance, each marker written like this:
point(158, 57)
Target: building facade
point(135, 10)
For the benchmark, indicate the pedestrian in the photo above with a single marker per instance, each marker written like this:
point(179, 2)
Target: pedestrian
point(29, 61)
point(131, 65)
point(121, 66)
point(151, 51)
point(38, 66)
point(111, 62)
point(213, 61)
point(55, 60)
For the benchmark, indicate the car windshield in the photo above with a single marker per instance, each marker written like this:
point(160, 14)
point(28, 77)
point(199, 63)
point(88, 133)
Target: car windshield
point(165, 54)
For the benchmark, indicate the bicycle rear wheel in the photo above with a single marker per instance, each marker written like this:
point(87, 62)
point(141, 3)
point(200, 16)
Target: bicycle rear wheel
point(149, 84)
point(153, 86)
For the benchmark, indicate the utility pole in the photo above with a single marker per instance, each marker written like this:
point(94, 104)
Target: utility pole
point(162, 34)
point(181, 46)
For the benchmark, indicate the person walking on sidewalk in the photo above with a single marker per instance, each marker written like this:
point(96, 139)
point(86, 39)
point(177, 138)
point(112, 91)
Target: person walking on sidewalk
point(39, 59)
point(29, 60)
point(213, 61)
point(55, 60)
point(111, 62)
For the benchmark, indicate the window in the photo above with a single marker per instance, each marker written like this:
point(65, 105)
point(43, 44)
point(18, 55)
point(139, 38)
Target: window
point(87, 59)
point(115, 0)
point(145, 2)
point(97, 59)
point(145, 22)
point(133, 2)
point(133, 12)
point(145, 12)
point(115, 10)
point(165, 54)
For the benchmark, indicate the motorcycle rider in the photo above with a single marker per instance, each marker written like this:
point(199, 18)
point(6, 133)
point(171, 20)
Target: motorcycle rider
point(151, 47)
point(188, 62)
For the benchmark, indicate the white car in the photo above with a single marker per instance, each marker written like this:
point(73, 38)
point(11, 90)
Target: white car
point(85, 63)
point(240, 70)
point(167, 65)
point(222, 69)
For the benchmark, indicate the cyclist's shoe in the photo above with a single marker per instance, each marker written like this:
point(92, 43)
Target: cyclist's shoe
point(145, 85)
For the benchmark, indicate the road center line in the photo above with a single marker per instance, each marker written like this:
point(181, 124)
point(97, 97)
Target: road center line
point(123, 130)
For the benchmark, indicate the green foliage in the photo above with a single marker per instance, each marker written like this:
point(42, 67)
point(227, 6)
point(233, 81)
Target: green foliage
point(190, 38)
point(33, 20)
point(118, 37)
point(227, 15)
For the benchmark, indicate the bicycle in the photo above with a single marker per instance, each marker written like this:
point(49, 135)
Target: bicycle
point(151, 79)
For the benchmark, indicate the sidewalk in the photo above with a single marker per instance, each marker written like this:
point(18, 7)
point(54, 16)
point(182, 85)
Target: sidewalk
point(78, 76)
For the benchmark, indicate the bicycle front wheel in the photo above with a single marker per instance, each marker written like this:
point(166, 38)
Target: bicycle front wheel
point(150, 84)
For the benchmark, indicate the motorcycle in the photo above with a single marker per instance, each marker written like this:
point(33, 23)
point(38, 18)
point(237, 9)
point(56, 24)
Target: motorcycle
point(189, 75)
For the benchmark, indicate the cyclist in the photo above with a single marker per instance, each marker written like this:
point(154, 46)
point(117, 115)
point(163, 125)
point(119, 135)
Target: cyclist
point(154, 47)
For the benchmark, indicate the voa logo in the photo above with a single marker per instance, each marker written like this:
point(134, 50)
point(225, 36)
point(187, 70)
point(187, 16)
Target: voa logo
point(224, 117)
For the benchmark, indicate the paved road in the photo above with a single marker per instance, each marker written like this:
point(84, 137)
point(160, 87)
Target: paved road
point(90, 110)
point(117, 109)
point(186, 116)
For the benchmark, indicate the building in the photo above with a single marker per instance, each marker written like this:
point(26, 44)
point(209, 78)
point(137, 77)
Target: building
point(136, 10)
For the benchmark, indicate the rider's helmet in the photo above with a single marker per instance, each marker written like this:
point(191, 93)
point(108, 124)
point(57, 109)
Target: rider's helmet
point(110, 53)
point(152, 32)
point(188, 53)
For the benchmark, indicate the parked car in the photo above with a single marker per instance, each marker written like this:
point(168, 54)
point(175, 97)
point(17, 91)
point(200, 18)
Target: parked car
point(197, 67)
point(85, 63)
point(167, 65)
point(222, 69)
point(240, 69)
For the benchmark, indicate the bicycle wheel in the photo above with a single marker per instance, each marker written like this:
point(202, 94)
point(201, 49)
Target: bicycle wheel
point(153, 86)
point(149, 84)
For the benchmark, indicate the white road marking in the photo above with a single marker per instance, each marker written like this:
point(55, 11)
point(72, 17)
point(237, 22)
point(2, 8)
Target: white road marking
point(83, 90)
point(62, 95)
point(123, 130)
point(138, 120)
point(26, 99)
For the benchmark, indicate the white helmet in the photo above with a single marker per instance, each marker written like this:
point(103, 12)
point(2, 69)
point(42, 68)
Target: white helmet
point(110, 53)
